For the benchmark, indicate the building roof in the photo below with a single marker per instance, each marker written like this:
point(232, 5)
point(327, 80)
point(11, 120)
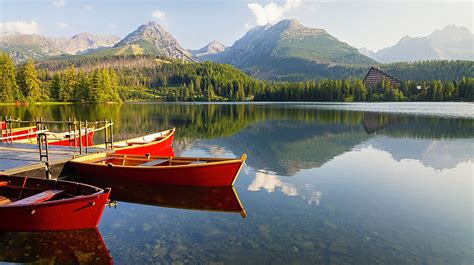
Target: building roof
point(374, 76)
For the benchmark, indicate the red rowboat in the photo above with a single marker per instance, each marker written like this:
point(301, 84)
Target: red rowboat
point(63, 139)
point(216, 199)
point(157, 144)
point(28, 204)
point(160, 170)
point(20, 133)
point(84, 246)
point(70, 141)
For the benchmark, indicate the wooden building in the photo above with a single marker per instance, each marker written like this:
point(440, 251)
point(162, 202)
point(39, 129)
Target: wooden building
point(375, 76)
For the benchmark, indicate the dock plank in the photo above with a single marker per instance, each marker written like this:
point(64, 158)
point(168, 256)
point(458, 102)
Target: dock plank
point(18, 158)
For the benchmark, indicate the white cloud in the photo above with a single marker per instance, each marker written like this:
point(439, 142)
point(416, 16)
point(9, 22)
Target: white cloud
point(62, 25)
point(248, 26)
point(59, 3)
point(20, 26)
point(271, 12)
point(159, 14)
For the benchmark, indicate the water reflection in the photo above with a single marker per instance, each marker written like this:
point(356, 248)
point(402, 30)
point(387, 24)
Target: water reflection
point(326, 186)
point(60, 247)
point(219, 199)
point(270, 182)
point(438, 154)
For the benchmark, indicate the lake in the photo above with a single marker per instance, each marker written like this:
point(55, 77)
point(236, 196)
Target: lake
point(363, 183)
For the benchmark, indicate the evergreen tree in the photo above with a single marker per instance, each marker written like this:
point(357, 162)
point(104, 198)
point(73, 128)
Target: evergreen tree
point(55, 87)
point(8, 86)
point(28, 81)
point(67, 90)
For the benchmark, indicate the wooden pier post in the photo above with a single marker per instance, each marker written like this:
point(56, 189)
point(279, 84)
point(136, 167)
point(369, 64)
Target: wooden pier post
point(111, 134)
point(80, 137)
point(87, 137)
point(105, 133)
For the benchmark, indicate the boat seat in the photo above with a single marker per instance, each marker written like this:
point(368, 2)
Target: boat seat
point(4, 200)
point(138, 142)
point(198, 162)
point(154, 162)
point(3, 183)
point(120, 145)
point(40, 197)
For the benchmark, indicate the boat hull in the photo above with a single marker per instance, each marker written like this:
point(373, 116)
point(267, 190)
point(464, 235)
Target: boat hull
point(217, 175)
point(70, 214)
point(86, 140)
point(78, 214)
point(158, 148)
point(81, 208)
point(22, 133)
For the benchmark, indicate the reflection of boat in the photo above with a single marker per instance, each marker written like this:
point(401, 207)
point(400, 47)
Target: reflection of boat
point(20, 133)
point(83, 246)
point(153, 144)
point(28, 204)
point(220, 199)
point(160, 170)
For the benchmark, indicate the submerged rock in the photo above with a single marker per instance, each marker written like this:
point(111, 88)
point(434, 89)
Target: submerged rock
point(306, 245)
point(339, 246)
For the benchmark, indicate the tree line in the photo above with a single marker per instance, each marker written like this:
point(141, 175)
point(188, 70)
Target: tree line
point(354, 90)
point(23, 83)
point(115, 79)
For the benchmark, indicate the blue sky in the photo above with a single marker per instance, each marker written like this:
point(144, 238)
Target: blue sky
point(372, 24)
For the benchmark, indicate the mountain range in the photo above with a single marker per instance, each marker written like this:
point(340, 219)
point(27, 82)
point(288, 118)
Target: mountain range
point(449, 43)
point(22, 46)
point(286, 50)
point(150, 38)
point(212, 48)
point(288, 39)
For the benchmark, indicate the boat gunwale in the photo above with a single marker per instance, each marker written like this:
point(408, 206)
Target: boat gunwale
point(75, 198)
point(220, 161)
point(171, 134)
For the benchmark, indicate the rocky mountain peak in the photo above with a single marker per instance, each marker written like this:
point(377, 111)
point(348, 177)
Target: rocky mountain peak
point(450, 43)
point(152, 38)
point(212, 48)
point(451, 32)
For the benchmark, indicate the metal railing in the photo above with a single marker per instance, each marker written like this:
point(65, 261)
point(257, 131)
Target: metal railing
point(77, 131)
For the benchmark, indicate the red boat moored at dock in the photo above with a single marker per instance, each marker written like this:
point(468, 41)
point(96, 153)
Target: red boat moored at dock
point(160, 170)
point(28, 204)
point(157, 144)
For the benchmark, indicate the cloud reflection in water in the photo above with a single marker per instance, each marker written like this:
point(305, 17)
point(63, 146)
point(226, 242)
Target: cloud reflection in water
point(267, 180)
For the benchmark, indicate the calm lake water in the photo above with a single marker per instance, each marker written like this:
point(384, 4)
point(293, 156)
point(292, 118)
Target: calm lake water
point(323, 184)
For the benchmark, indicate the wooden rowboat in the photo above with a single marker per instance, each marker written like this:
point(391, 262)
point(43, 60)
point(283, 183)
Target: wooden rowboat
point(68, 140)
point(84, 246)
point(19, 133)
point(215, 199)
point(28, 204)
point(157, 144)
point(63, 139)
point(160, 170)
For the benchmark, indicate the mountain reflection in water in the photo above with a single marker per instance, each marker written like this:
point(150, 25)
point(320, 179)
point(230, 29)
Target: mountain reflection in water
point(322, 184)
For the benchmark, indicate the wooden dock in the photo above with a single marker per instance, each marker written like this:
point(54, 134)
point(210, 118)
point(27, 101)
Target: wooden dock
point(24, 160)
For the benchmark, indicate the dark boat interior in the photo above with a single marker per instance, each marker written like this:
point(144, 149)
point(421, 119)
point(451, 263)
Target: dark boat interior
point(18, 191)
